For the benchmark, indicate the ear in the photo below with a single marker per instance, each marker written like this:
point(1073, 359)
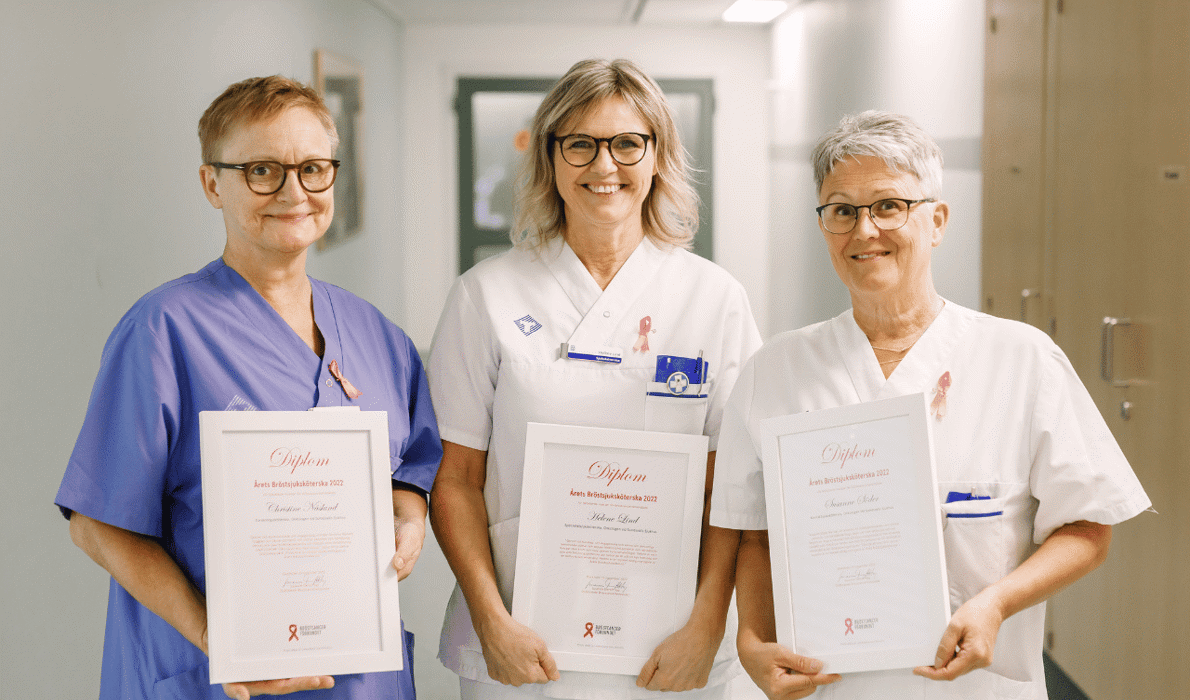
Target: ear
point(210, 185)
point(941, 216)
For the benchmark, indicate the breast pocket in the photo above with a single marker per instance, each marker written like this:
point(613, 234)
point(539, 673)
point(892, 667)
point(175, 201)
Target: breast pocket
point(668, 412)
point(975, 534)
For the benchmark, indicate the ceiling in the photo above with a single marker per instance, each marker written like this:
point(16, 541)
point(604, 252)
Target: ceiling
point(558, 11)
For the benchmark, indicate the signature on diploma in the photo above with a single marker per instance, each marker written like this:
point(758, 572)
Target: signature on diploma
point(607, 584)
point(303, 581)
point(852, 575)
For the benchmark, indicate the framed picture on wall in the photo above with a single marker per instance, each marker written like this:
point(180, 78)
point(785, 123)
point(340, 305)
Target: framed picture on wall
point(340, 81)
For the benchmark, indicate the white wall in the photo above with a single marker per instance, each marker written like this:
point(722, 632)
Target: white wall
point(737, 59)
point(922, 58)
point(99, 104)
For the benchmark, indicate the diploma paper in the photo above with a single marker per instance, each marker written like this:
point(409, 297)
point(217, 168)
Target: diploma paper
point(859, 571)
point(297, 511)
point(607, 553)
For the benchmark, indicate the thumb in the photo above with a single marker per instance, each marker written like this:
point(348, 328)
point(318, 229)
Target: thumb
point(548, 665)
point(797, 662)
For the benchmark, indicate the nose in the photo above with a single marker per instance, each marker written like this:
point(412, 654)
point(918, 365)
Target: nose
point(292, 190)
point(865, 225)
point(604, 163)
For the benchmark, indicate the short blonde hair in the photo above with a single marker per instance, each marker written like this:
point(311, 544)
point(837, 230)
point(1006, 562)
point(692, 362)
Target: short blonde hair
point(669, 213)
point(255, 99)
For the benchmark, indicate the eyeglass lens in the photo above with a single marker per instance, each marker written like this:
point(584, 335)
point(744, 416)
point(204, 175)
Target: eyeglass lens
point(267, 177)
point(626, 149)
point(887, 214)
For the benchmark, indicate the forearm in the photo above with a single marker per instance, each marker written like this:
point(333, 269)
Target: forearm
point(716, 579)
point(754, 586)
point(1071, 552)
point(460, 522)
point(144, 569)
point(409, 506)
point(716, 566)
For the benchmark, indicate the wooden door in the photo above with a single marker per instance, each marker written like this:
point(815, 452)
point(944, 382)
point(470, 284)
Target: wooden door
point(1014, 161)
point(1116, 212)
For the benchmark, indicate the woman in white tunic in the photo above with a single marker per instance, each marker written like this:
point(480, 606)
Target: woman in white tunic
point(604, 214)
point(1016, 436)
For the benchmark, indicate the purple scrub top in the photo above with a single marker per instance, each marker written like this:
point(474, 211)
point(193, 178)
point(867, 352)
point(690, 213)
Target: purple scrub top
point(209, 342)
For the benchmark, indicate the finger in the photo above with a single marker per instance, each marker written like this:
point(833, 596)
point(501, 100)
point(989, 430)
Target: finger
point(947, 647)
point(236, 691)
point(547, 664)
point(797, 662)
point(647, 672)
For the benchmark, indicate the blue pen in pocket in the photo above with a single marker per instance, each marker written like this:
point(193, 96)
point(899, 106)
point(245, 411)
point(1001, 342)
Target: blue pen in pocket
point(956, 496)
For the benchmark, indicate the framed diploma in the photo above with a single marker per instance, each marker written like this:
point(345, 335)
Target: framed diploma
point(607, 555)
point(298, 528)
point(855, 536)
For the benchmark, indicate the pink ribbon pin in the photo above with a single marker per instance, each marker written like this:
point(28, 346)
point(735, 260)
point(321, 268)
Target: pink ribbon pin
point(938, 405)
point(642, 341)
point(348, 387)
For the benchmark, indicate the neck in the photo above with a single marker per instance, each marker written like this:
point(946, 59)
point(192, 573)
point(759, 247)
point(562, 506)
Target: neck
point(889, 320)
point(282, 282)
point(604, 252)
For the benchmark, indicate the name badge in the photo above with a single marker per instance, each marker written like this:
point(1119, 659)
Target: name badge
point(570, 351)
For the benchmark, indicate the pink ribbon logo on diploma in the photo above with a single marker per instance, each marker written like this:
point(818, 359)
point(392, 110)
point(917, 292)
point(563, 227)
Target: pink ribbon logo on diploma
point(848, 630)
point(293, 633)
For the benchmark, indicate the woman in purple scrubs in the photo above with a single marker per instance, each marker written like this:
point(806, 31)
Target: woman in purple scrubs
point(250, 331)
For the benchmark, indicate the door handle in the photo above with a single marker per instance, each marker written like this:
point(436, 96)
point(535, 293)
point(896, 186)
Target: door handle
point(1027, 294)
point(1107, 350)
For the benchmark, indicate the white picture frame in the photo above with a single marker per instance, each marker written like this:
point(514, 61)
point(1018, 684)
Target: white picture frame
point(855, 535)
point(298, 530)
point(608, 542)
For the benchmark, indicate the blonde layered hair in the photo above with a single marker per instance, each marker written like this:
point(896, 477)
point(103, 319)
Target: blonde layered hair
point(669, 214)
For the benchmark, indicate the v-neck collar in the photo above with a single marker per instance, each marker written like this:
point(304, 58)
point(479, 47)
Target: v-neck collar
point(582, 289)
point(914, 372)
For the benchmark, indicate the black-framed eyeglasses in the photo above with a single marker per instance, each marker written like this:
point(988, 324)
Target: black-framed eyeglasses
point(628, 148)
point(268, 176)
point(887, 214)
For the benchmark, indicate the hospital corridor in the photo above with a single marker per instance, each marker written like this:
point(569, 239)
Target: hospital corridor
point(1064, 131)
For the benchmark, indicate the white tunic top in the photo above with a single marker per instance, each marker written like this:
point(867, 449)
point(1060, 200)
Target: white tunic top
point(1015, 425)
point(496, 365)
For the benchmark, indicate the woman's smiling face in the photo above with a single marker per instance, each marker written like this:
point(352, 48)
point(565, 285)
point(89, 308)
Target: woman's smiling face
point(604, 194)
point(289, 220)
point(868, 259)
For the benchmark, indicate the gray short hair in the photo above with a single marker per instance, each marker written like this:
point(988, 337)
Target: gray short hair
point(670, 210)
point(893, 138)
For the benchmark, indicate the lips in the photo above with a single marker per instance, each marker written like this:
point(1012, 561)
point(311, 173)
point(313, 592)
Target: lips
point(869, 256)
point(290, 218)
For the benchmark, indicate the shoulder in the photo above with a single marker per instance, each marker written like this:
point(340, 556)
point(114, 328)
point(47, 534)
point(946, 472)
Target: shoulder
point(807, 339)
point(174, 300)
point(1006, 336)
point(706, 270)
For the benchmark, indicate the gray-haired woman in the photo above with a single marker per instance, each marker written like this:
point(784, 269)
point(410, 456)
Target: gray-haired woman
point(1030, 478)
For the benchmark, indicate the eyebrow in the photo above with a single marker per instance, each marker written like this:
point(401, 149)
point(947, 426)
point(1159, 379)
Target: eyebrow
point(880, 194)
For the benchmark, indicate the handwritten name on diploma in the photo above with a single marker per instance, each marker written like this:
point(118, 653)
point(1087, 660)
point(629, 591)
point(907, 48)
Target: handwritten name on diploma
point(316, 506)
point(621, 518)
point(859, 500)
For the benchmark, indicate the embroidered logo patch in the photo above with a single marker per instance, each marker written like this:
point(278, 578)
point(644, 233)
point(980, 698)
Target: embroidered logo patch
point(239, 403)
point(528, 325)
